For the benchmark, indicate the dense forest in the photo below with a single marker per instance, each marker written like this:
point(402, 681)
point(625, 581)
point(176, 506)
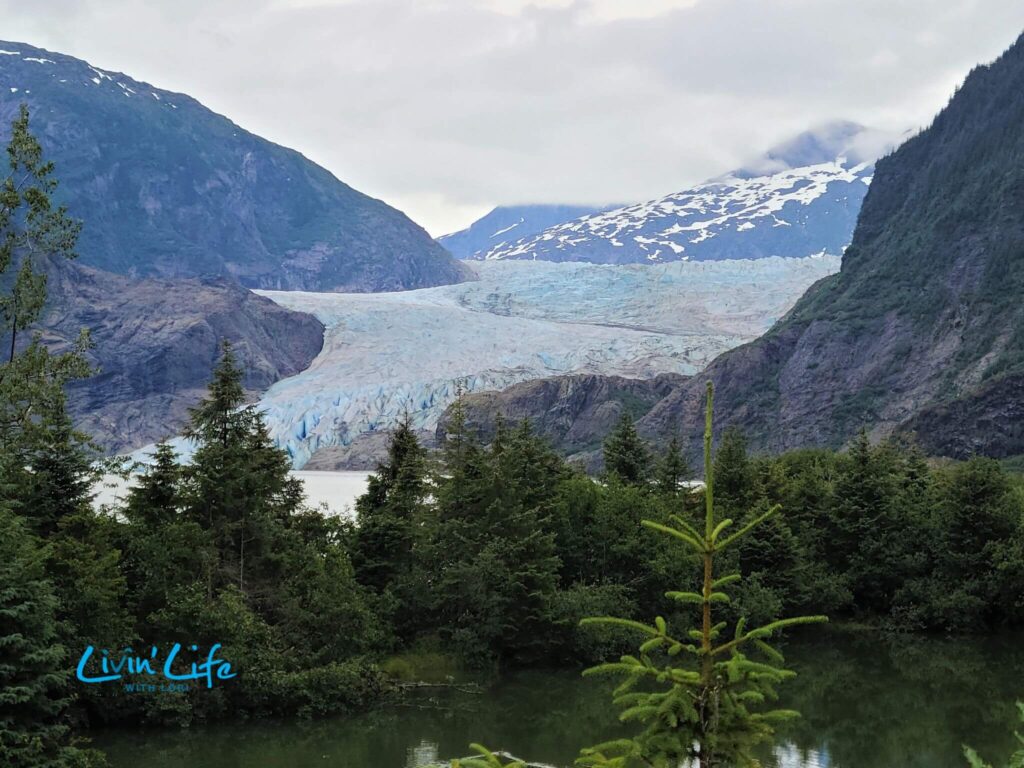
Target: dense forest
point(477, 555)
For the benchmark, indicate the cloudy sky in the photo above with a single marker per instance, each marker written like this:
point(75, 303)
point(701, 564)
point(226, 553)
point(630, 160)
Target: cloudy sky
point(445, 108)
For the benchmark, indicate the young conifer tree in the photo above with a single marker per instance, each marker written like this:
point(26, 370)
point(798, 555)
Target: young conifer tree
point(391, 512)
point(974, 760)
point(700, 698)
point(672, 469)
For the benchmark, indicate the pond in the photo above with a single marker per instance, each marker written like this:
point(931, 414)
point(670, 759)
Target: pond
point(868, 701)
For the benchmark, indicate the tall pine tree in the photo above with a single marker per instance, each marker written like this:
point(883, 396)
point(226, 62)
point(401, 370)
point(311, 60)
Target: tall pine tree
point(626, 458)
point(238, 486)
point(34, 695)
point(672, 469)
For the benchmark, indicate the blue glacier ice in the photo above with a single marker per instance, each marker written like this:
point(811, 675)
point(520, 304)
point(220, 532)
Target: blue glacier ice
point(386, 354)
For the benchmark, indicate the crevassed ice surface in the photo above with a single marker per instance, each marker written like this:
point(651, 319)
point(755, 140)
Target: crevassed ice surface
point(389, 353)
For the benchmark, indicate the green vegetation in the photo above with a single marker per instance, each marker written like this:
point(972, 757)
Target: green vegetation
point(481, 556)
point(41, 478)
point(1016, 759)
point(222, 550)
point(708, 710)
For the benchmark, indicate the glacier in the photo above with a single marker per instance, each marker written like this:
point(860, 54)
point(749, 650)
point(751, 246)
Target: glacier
point(388, 354)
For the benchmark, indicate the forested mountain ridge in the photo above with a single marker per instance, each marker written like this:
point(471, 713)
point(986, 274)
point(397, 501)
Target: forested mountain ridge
point(171, 189)
point(922, 330)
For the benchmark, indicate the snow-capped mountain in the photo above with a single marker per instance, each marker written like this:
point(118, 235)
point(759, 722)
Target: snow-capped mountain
point(386, 354)
point(799, 199)
point(508, 223)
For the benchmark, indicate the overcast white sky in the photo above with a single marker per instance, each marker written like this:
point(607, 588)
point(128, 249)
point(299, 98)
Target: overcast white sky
point(445, 108)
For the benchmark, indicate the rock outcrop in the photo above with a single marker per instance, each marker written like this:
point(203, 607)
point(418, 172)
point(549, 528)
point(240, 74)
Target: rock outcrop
point(156, 343)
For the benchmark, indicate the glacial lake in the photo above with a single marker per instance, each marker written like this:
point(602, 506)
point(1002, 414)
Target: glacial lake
point(868, 701)
point(335, 492)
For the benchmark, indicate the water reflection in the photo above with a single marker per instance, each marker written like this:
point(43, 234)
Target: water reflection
point(423, 754)
point(791, 756)
point(867, 702)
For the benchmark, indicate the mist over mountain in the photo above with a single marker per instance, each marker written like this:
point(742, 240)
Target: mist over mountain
point(799, 199)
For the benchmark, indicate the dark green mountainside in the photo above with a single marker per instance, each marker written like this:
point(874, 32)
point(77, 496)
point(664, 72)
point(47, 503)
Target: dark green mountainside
point(922, 331)
point(168, 188)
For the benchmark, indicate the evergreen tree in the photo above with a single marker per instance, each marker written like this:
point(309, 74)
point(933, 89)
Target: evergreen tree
point(461, 497)
point(31, 229)
point(496, 566)
point(706, 711)
point(49, 473)
point(62, 473)
point(391, 511)
point(34, 696)
point(625, 455)
point(977, 551)
point(458, 487)
point(868, 537)
point(672, 469)
point(155, 499)
point(163, 549)
point(519, 551)
point(34, 429)
point(734, 476)
point(238, 487)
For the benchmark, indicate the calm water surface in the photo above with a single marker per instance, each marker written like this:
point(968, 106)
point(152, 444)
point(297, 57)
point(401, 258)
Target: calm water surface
point(868, 701)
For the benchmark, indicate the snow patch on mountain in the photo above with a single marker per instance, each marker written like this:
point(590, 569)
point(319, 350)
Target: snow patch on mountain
point(508, 223)
point(798, 199)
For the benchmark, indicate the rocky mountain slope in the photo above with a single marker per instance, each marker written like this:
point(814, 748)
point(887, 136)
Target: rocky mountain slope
point(799, 199)
point(575, 413)
point(156, 342)
point(508, 223)
point(168, 188)
point(922, 330)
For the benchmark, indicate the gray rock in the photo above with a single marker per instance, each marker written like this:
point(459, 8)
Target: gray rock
point(365, 452)
point(574, 413)
point(156, 343)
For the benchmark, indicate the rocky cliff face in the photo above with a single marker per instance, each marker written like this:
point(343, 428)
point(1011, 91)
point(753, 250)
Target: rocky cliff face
point(168, 188)
point(156, 343)
point(922, 330)
point(574, 413)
